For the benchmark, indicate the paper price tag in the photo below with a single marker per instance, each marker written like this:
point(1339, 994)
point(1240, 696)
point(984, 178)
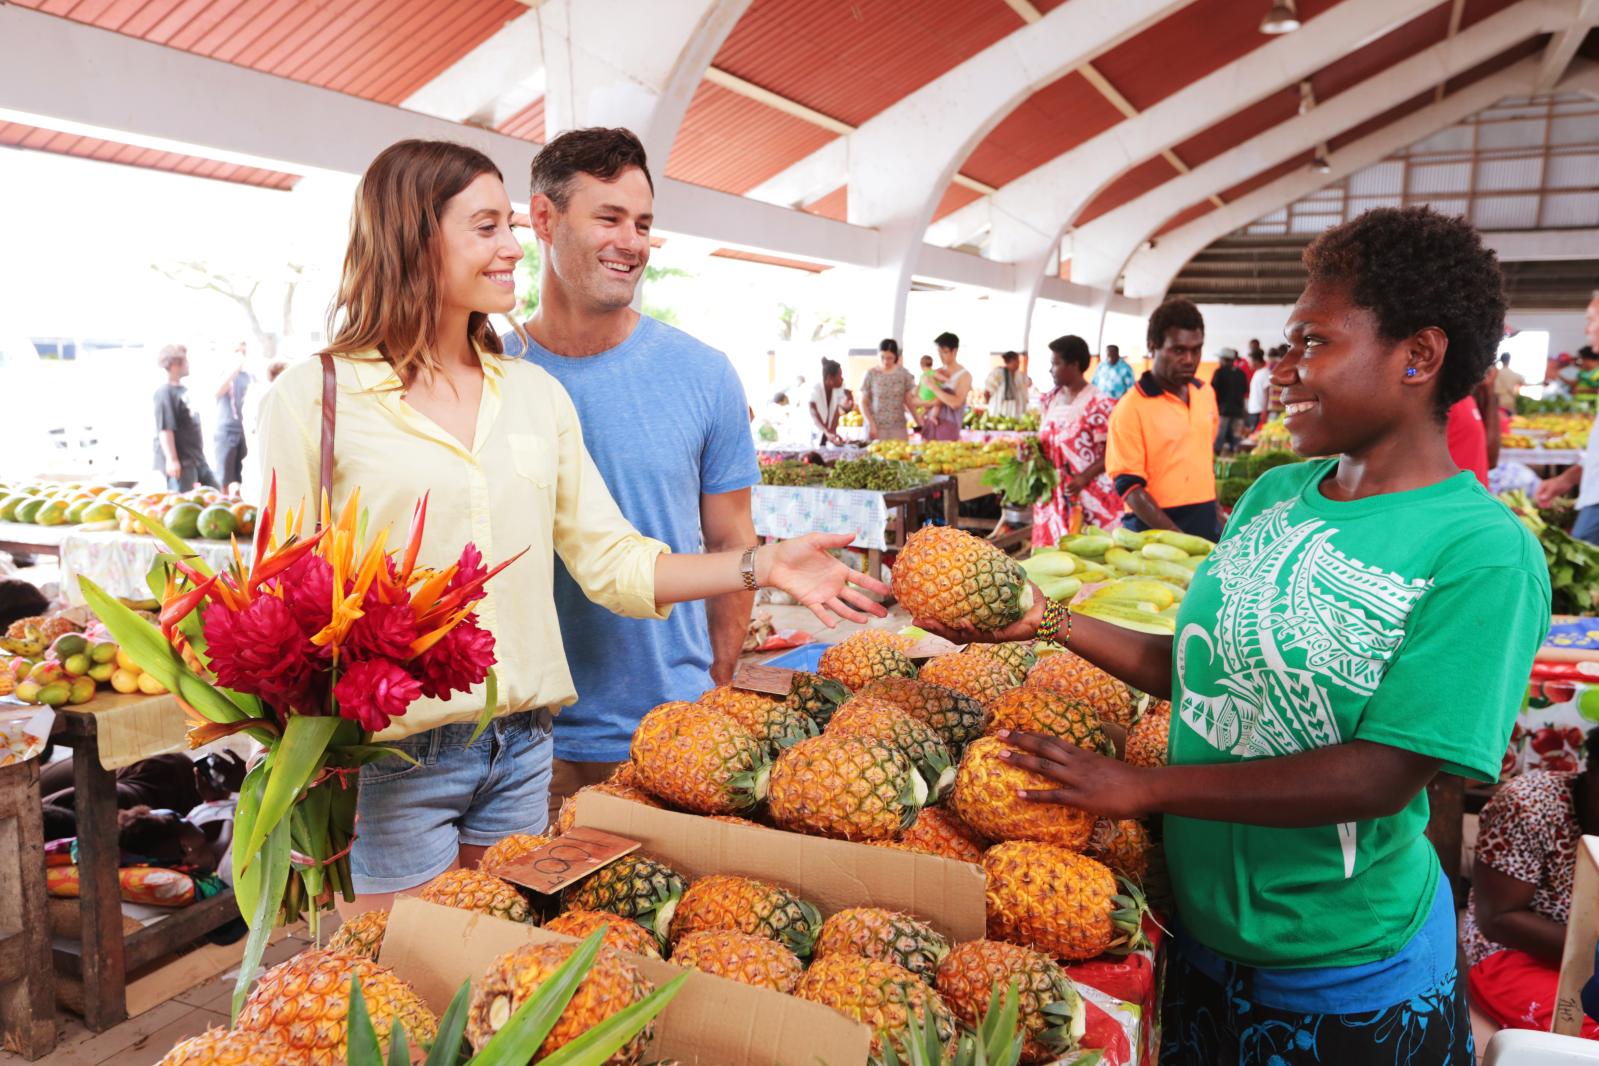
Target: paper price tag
point(566, 859)
point(770, 680)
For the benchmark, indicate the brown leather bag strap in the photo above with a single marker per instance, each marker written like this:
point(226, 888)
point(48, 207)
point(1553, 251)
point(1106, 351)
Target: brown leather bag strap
point(330, 393)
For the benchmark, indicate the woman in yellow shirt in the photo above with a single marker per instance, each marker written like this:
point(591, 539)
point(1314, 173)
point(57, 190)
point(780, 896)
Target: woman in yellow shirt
point(427, 404)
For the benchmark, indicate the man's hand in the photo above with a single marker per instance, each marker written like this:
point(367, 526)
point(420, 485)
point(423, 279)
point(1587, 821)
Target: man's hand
point(1085, 779)
point(174, 468)
point(1025, 628)
point(1077, 483)
point(1551, 489)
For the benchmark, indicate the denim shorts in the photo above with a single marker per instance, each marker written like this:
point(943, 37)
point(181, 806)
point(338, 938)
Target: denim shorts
point(414, 818)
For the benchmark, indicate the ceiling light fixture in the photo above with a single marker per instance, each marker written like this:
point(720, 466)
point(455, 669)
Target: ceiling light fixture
point(1282, 18)
point(1320, 165)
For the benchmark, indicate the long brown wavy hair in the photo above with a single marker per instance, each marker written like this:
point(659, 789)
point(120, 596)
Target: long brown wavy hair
point(389, 297)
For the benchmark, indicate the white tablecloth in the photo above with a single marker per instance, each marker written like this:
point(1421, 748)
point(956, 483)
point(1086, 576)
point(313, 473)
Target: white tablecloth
point(790, 511)
point(119, 562)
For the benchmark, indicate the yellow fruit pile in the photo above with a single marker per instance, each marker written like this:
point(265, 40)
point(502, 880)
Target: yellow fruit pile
point(944, 456)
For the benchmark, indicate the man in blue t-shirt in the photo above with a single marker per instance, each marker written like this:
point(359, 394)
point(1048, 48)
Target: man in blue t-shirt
point(665, 419)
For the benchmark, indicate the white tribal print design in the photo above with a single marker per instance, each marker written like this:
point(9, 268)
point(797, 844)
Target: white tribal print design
point(1297, 617)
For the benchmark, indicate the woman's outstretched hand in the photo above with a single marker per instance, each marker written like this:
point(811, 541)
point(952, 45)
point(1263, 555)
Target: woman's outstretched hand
point(1085, 779)
point(1024, 628)
point(803, 568)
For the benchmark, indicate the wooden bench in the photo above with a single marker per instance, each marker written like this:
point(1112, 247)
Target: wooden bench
point(27, 992)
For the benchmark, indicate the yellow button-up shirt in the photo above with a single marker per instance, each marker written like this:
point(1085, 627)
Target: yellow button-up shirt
point(526, 482)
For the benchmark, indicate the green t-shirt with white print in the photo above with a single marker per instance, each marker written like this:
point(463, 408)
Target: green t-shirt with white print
point(1409, 619)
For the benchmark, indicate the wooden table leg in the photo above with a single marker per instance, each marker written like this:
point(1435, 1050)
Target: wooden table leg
point(952, 503)
point(27, 986)
point(99, 900)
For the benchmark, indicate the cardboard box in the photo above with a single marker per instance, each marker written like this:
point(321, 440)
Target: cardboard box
point(712, 1020)
point(1582, 934)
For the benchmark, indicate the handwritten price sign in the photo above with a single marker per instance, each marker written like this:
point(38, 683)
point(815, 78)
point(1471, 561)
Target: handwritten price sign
point(566, 859)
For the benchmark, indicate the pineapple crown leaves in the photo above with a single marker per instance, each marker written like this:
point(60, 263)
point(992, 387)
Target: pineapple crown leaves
point(525, 1031)
point(997, 1041)
point(748, 788)
point(1128, 917)
point(913, 798)
point(1065, 1022)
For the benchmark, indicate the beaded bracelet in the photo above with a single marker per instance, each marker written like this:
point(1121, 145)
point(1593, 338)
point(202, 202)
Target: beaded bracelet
point(1055, 615)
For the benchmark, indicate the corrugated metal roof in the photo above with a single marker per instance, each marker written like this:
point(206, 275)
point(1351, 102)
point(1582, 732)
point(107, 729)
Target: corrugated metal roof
point(1393, 47)
point(1240, 126)
point(527, 123)
point(851, 59)
point(834, 205)
point(32, 137)
point(955, 198)
point(1130, 185)
point(1052, 121)
point(1182, 218)
point(382, 50)
point(733, 143)
point(1187, 45)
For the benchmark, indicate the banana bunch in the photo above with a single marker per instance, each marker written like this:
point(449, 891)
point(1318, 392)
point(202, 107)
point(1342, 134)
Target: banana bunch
point(1135, 580)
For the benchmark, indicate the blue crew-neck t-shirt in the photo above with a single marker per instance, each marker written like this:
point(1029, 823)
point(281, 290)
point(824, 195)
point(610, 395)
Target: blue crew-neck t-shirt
point(665, 419)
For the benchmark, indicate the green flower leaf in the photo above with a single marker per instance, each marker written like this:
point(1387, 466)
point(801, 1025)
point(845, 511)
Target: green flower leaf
point(297, 756)
point(274, 881)
point(491, 700)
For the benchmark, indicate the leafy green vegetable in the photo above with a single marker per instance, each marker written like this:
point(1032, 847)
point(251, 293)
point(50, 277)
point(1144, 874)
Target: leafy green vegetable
point(1024, 477)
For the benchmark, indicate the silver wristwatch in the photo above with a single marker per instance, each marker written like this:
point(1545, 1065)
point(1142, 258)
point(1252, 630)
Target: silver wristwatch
point(746, 567)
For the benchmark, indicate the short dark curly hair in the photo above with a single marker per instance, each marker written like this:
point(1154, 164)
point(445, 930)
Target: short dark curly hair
point(1412, 267)
point(1073, 349)
point(597, 151)
point(1173, 314)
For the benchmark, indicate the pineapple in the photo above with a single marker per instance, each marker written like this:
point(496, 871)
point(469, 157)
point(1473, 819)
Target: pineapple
point(219, 1047)
point(620, 933)
point(626, 773)
point(361, 935)
point(863, 716)
point(1040, 710)
point(743, 957)
point(303, 1002)
point(1059, 902)
point(699, 759)
point(854, 788)
point(474, 890)
point(880, 995)
point(958, 718)
point(985, 798)
point(1050, 1014)
point(1017, 656)
point(1121, 845)
point(511, 848)
point(633, 887)
point(567, 815)
point(1147, 740)
point(815, 696)
point(745, 905)
point(875, 933)
point(981, 677)
point(775, 724)
point(958, 580)
point(939, 831)
point(1075, 677)
point(612, 985)
point(858, 660)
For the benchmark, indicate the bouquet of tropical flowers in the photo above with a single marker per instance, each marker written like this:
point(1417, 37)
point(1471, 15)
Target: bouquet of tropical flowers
point(312, 649)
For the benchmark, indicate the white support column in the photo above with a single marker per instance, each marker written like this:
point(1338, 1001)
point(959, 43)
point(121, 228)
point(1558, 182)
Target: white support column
point(1562, 48)
point(901, 161)
point(1103, 246)
point(622, 63)
point(1150, 272)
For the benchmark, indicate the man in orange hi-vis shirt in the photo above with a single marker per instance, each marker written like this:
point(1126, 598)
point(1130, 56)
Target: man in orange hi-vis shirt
point(1160, 452)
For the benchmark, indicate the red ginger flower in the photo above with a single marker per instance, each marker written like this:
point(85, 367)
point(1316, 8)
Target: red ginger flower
point(373, 691)
point(384, 631)
point(262, 651)
point(468, 569)
point(307, 589)
point(459, 660)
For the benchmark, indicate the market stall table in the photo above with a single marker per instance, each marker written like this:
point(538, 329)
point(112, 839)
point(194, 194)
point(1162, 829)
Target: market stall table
point(120, 562)
point(880, 521)
point(22, 538)
point(110, 732)
point(1541, 456)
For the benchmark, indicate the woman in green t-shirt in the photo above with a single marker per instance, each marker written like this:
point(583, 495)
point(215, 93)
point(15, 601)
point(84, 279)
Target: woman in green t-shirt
point(1366, 622)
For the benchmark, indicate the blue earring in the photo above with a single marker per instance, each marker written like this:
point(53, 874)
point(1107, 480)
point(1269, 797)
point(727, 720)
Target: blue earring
point(1410, 371)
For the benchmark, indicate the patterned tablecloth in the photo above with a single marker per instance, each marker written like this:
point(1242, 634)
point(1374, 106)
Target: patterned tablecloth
point(119, 562)
point(1549, 732)
point(791, 511)
point(134, 727)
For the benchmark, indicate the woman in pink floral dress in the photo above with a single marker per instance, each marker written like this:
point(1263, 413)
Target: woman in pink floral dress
point(1072, 433)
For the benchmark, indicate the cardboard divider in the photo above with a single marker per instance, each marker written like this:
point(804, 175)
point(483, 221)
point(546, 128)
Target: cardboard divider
point(711, 1021)
point(833, 874)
